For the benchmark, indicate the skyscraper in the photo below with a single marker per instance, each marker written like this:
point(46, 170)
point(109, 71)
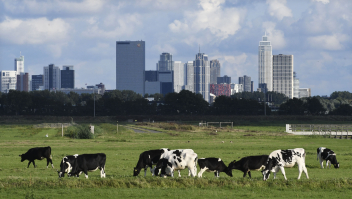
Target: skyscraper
point(246, 82)
point(23, 82)
point(165, 63)
point(130, 66)
point(37, 80)
point(223, 80)
point(67, 77)
point(295, 86)
point(189, 76)
point(19, 65)
point(283, 74)
point(202, 75)
point(52, 77)
point(179, 76)
point(265, 66)
point(214, 71)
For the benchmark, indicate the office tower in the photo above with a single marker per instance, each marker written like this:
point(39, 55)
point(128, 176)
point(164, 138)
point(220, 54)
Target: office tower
point(166, 82)
point(295, 85)
point(165, 63)
point(304, 92)
point(37, 80)
point(220, 89)
point(236, 88)
point(52, 77)
point(130, 66)
point(246, 82)
point(189, 76)
point(223, 80)
point(179, 76)
point(8, 80)
point(252, 86)
point(67, 77)
point(214, 71)
point(283, 74)
point(151, 76)
point(19, 65)
point(202, 75)
point(265, 66)
point(23, 82)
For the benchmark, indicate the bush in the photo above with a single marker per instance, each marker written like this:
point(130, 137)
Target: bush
point(80, 132)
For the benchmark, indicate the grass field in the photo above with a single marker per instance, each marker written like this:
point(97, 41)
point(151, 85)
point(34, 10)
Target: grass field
point(123, 149)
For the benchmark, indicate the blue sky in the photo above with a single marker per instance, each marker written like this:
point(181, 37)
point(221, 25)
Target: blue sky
point(84, 33)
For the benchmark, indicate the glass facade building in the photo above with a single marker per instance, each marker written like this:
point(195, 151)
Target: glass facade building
point(52, 77)
point(37, 80)
point(165, 63)
point(67, 77)
point(130, 66)
point(265, 66)
point(283, 74)
point(246, 82)
point(214, 71)
point(202, 75)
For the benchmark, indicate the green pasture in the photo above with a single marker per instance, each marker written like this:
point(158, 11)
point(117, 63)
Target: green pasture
point(123, 149)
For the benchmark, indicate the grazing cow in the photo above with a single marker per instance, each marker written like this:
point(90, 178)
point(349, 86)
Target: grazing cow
point(83, 163)
point(328, 155)
point(147, 159)
point(249, 163)
point(215, 165)
point(166, 154)
point(38, 153)
point(279, 159)
point(179, 161)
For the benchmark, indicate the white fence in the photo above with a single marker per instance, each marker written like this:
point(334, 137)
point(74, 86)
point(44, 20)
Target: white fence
point(320, 129)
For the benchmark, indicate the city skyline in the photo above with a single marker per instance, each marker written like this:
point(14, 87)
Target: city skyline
point(83, 34)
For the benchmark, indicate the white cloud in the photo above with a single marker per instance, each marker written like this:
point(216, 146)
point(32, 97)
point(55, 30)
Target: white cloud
point(213, 17)
point(323, 1)
point(328, 42)
point(275, 36)
point(54, 6)
point(34, 31)
point(278, 9)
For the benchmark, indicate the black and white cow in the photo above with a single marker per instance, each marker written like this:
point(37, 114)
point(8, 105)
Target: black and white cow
point(249, 163)
point(38, 153)
point(83, 163)
point(279, 159)
point(179, 160)
point(166, 154)
point(328, 155)
point(147, 159)
point(215, 165)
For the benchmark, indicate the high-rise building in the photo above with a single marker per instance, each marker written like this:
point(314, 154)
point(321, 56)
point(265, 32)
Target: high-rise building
point(202, 75)
point(165, 63)
point(166, 82)
point(236, 88)
point(295, 85)
point(52, 77)
point(8, 80)
point(189, 76)
point(67, 77)
point(23, 82)
point(246, 82)
point(179, 76)
point(283, 74)
point(223, 80)
point(214, 71)
point(37, 80)
point(130, 66)
point(265, 66)
point(151, 76)
point(19, 65)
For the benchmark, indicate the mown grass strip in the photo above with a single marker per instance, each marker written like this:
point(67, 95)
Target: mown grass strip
point(129, 182)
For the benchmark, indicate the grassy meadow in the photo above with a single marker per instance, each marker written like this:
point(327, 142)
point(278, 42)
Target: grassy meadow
point(123, 149)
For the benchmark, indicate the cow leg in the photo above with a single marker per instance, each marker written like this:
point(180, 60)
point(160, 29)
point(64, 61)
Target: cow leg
point(145, 170)
point(102, 172)
point(189, 172)
point(249, 173)
point(283, 172)
point(328, 163)
point(201, 172)
point(244, 173)
point(34, 164)
point(179, 173)
point(86, 174)
point(321, 163)
point(300, 169)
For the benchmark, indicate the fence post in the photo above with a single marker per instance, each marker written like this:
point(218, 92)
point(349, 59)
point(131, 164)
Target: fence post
point(62, 130)
point(220, 124)
point(231, 124)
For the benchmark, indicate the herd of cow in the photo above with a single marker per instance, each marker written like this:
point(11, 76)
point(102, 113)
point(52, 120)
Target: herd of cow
point(167, 161)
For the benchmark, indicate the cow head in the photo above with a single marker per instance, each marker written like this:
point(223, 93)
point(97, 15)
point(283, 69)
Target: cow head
point(232, 165)
point(333, 161)
point(267, 170)
point(65, 167)
point(22, 158)
point(166, 168)
point(337, 165)
point(136, 171)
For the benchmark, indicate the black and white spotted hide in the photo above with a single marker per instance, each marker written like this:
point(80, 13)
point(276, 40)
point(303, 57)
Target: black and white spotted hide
point(147, 159)
point(279, 159)
point(329, 156)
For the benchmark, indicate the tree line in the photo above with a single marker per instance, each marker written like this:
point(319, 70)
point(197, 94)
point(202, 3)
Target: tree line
point(184, 103)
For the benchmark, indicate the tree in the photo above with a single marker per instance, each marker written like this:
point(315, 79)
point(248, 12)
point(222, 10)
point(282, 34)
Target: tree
point(292, 107)
point(344, 109)
point(314, 106)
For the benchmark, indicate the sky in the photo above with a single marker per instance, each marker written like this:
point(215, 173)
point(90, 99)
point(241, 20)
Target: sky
point(83, 33)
